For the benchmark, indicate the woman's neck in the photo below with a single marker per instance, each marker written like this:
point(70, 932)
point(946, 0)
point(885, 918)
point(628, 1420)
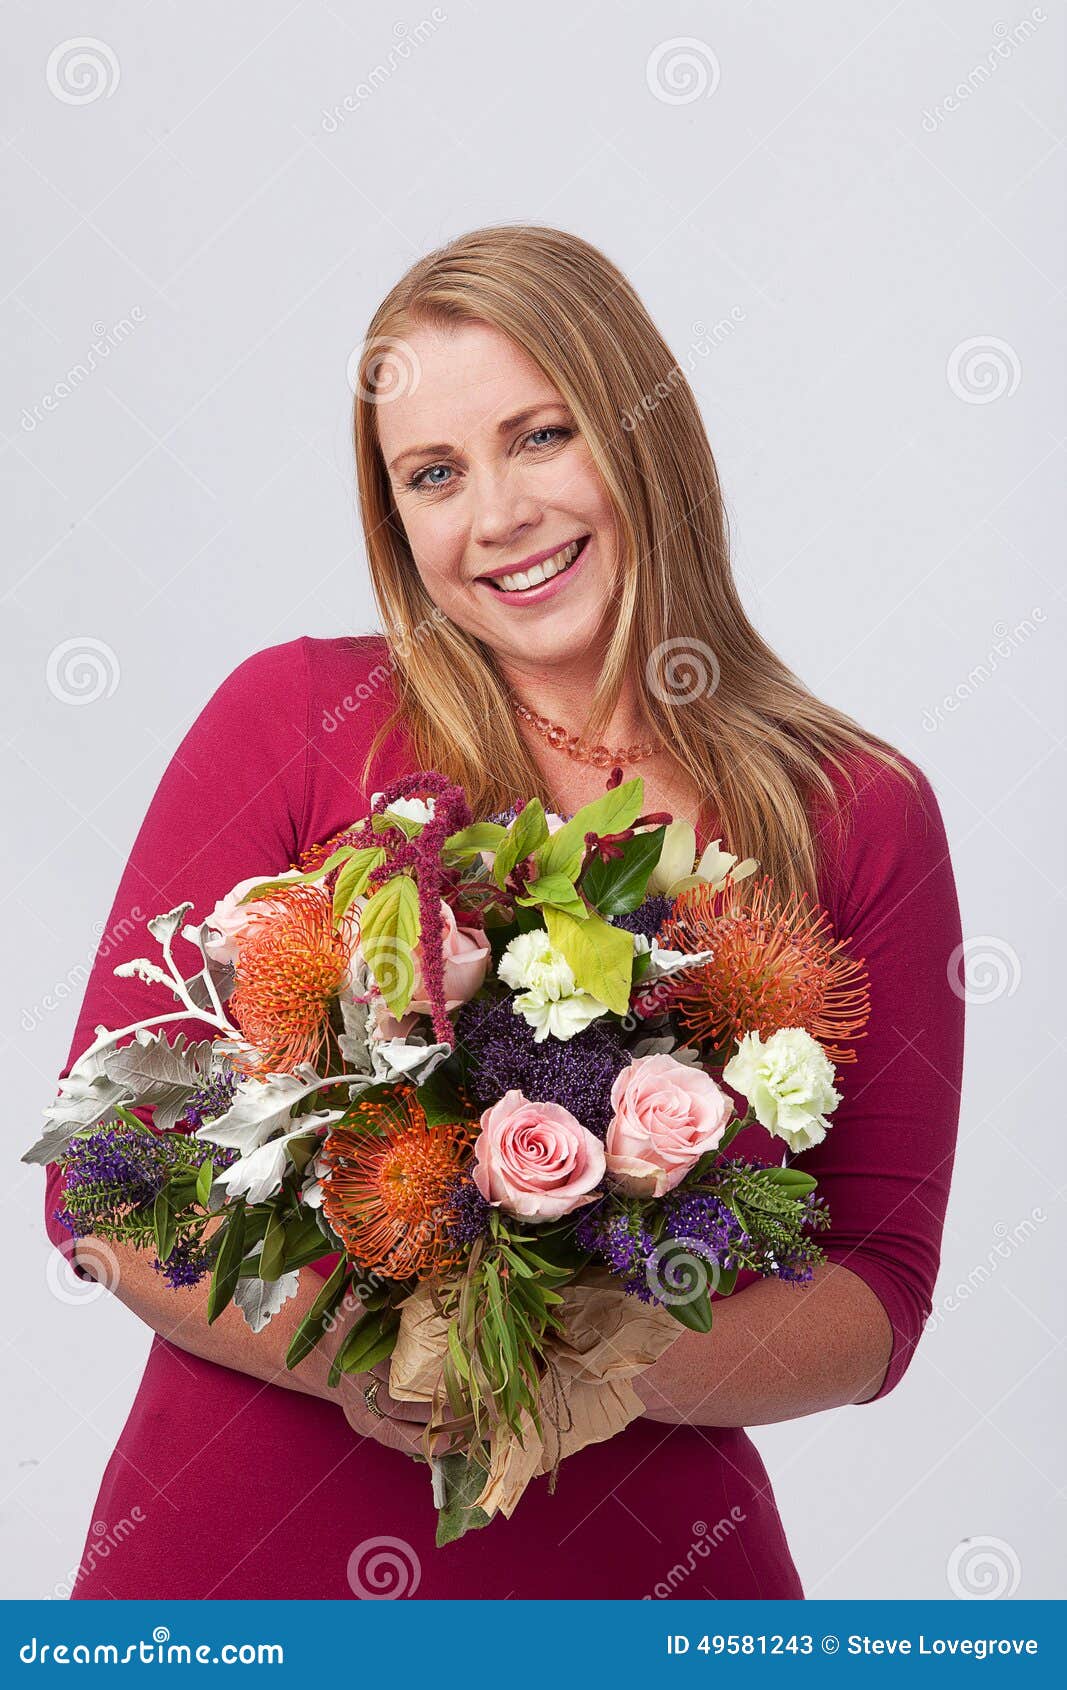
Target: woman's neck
point(564, 697)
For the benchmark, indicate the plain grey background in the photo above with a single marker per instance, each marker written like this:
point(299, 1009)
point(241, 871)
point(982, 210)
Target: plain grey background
point(845, 219)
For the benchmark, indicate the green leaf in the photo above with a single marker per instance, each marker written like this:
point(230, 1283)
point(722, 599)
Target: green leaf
point(264, 888)
point(389, 932)
point(455, 1350)
point(440, 1100)
point(368, 1343)
point(619, 886)
point(203, 1182)
point(526, 833)
point(469, 841)
point(695, 1315)
point(795, 1182)
point(352, 880)
point(228, 1266)
point(464, 1481)
point(600, 955)
point(165, 1225)
point(314, 1323)
point(272, 1254)
point(612, 812)
point(557, 890)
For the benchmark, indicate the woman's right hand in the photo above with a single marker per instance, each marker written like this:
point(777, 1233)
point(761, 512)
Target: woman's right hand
point(402, 1430)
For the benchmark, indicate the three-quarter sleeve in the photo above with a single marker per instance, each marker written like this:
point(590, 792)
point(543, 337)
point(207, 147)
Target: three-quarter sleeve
point(885, 1166)
point(230, 805)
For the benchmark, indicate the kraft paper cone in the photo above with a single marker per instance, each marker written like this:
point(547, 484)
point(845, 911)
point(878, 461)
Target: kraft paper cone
point(608, 1337)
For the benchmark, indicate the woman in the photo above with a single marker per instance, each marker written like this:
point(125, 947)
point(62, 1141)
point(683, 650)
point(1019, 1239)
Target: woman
point(548, 549)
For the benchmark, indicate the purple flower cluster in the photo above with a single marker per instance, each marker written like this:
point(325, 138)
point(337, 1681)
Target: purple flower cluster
point(132, 1166)
point(619, 1232)
point(186, 1265)
point(704, 1224)
point(209, 1101)
point(648, 917)
point(500, 1054)
point(469, 1219)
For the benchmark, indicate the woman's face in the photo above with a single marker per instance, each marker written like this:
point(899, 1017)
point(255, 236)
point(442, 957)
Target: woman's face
point(506, 515)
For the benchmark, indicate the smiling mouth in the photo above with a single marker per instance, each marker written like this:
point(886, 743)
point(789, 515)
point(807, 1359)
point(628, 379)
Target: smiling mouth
point(521, 580)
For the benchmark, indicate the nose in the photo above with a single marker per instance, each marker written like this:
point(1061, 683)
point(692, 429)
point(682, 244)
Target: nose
point(502, 510)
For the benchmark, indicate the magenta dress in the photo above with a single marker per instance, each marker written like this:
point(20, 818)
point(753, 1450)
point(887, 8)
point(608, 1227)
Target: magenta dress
point(250, 1490)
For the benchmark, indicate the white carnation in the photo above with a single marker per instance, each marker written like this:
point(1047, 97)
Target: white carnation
point(788, 1080)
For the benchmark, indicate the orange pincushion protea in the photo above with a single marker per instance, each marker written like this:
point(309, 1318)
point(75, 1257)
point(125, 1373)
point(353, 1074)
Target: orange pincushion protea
point(385, 1187)
point(292, 962)
point(774, 965)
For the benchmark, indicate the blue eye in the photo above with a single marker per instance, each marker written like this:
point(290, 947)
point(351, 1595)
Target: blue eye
point(422, 476)
point(546, 430)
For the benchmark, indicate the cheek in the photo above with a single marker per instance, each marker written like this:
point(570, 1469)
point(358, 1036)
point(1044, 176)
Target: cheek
point(437, 546)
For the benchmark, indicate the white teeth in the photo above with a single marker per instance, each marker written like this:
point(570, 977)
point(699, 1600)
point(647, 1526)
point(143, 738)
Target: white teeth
point(540, 572)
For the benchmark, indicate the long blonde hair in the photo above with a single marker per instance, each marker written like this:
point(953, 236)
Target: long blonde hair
point(736, 720)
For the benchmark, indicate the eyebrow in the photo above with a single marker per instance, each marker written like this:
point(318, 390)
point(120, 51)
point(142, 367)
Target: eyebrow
point(442, 448)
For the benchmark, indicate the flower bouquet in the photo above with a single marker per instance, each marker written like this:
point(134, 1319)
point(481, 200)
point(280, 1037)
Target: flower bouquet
point(493, 1066)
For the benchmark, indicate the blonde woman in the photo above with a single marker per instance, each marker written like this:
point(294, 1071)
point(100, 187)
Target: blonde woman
point(548, 549)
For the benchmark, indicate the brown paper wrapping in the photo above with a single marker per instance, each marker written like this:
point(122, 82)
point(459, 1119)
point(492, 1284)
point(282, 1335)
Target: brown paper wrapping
point(585, 1397)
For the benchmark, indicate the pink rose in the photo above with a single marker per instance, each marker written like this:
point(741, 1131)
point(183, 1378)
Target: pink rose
point(667, 1115)
point(231, 919)
point(535, 1160)
point(466, 961)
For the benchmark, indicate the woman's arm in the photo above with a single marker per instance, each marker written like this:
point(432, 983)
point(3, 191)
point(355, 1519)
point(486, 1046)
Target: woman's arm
point(180, 1316)
point(775, 1352)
